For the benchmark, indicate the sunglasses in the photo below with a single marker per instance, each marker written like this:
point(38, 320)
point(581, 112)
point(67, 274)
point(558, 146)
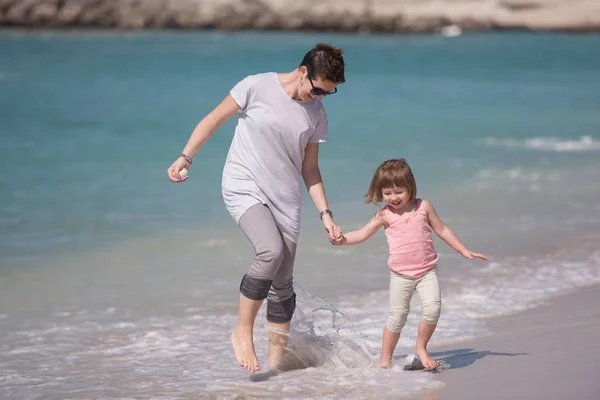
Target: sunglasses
point(317, 91)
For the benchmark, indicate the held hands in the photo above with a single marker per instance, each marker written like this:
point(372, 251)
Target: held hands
point(174, 170)
point(339, 241)
point(333, 231)
point(338, 237)
point(472, 255)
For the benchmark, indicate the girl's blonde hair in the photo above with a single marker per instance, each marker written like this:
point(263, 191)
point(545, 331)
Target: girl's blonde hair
point(390, 173)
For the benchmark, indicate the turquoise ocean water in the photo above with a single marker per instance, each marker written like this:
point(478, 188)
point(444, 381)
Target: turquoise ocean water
point(115, 283)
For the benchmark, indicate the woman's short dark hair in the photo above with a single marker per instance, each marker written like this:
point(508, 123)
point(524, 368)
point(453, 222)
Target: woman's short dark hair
point(325, 61)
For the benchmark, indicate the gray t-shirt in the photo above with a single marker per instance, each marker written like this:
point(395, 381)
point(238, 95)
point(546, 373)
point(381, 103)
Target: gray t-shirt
point(264, 163)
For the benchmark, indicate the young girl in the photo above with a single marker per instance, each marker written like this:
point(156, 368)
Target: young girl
point(407, 222)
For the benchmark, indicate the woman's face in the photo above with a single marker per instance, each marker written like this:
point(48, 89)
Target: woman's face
point(314, 88)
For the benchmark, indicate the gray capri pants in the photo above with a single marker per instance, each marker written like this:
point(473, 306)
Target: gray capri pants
point(402, 288)
point(270, 275)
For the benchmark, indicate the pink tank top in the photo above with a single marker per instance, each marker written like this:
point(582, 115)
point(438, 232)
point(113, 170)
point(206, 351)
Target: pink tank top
point(410, 243)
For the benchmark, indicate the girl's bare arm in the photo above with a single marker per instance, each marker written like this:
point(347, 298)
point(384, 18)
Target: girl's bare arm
point(365, 232)
point(446, 234)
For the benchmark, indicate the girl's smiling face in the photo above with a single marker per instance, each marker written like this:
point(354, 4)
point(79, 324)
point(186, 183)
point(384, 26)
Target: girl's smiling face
point(396, 197)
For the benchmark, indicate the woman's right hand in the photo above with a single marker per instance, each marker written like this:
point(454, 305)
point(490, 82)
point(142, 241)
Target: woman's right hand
point(174, 170)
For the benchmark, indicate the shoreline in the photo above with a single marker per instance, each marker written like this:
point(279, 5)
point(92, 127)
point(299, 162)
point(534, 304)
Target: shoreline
point(437, 31)
point(548, 352)
point(449, 17)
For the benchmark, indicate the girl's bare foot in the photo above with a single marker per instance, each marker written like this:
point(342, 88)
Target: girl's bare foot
point(244, 351)
point(385, 363)
point(426, 360)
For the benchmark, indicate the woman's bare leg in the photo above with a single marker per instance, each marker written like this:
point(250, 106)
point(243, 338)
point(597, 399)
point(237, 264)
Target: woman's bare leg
point(242, 337)
point(278, 336)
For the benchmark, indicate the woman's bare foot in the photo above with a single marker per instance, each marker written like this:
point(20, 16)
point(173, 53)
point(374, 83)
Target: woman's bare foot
point(244, 351)
point(426, 360)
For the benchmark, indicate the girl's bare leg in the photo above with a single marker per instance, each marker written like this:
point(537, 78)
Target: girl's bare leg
point(390, 340)
point(424, 334)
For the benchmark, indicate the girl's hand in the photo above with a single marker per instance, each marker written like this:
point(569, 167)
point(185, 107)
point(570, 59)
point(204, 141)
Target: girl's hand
point(174, 170)
point(334, 232)
point(339, 242)
point(338, 236)
point(472, 255)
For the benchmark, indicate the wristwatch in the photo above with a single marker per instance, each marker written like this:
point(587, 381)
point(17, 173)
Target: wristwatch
point(325, 212)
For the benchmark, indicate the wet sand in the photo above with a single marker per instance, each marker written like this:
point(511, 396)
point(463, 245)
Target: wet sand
point(550, 352)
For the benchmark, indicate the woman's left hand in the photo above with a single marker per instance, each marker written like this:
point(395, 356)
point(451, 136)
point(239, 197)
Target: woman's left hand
point(333, 230)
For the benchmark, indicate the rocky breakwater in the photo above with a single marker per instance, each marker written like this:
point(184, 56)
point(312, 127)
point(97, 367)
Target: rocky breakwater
point(330, 15)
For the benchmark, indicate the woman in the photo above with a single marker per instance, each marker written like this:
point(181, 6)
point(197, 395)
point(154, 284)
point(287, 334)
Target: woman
point(281, 122)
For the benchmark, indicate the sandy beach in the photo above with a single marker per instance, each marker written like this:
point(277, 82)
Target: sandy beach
point(330, 15)
point(550, 352)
